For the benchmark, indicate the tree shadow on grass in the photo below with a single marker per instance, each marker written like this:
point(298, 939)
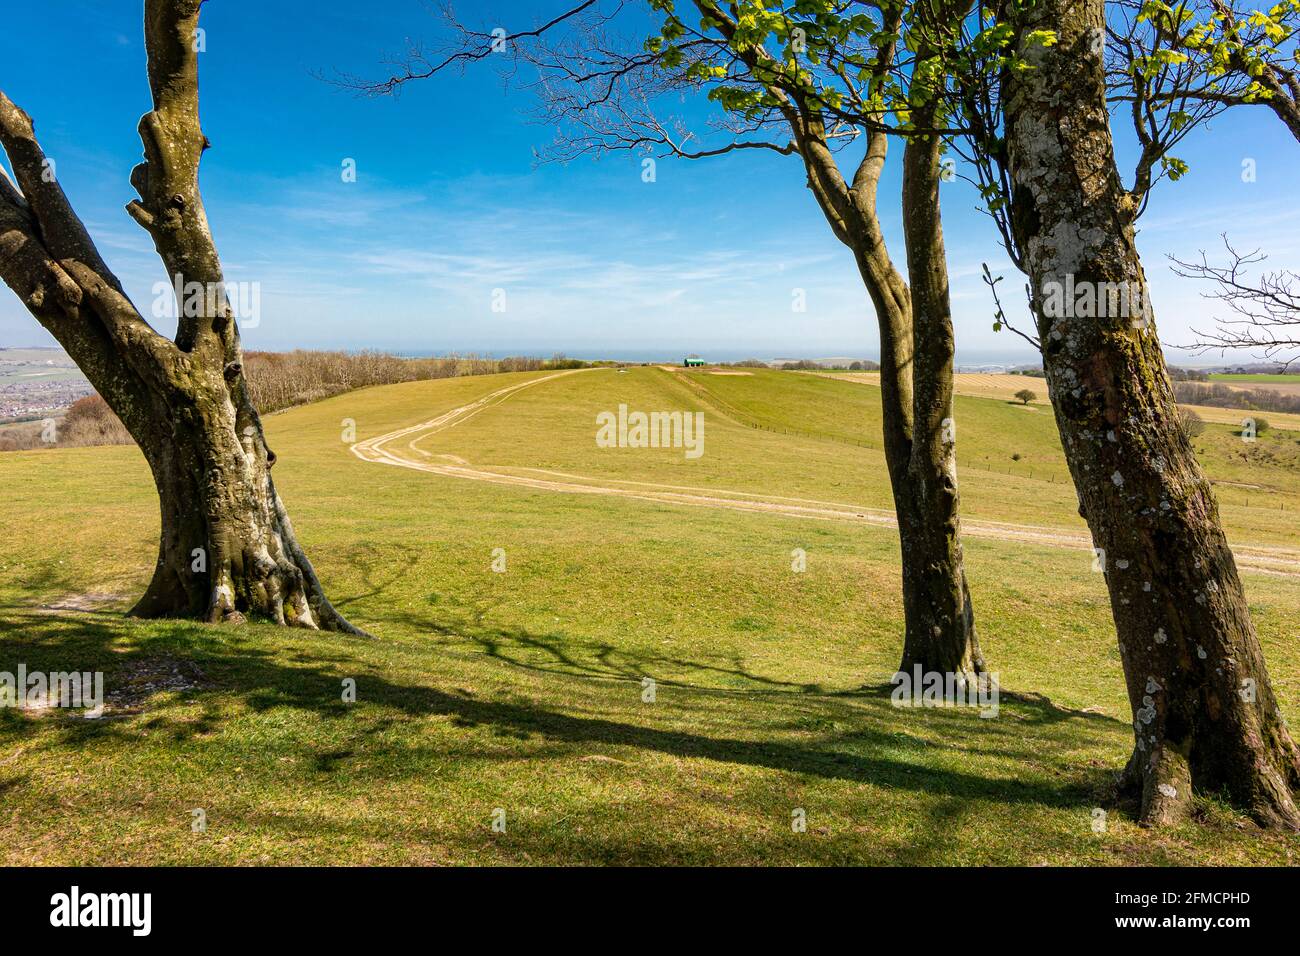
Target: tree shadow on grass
point(379, 566)
point(863, 747)
point(574, 656)
point(599, 660)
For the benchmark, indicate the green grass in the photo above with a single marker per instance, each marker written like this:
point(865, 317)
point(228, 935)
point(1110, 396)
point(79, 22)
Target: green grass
point(1291, 378)
point(523, 690)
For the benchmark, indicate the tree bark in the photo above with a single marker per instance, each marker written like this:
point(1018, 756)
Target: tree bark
point(227, 549)
point(1205, 717)
point(941, 630)
point(1283, 102)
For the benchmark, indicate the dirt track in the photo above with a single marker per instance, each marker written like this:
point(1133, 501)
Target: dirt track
point(1259, 558)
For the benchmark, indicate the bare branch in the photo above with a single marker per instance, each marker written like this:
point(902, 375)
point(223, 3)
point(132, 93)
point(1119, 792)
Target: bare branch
point(1263, 311)
point(472, 45)
point(1000, 317)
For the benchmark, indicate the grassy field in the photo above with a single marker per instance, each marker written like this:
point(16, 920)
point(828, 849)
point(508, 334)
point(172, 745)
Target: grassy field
point(525, 690)
point(1288, 385)
point(1289, 379)
point(1004, 387)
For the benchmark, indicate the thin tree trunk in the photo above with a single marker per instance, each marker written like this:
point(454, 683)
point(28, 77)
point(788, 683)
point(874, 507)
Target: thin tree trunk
point(1205, 717)
point(938, 636)
point(939, 622)
point(938, 619)
point(941, 632)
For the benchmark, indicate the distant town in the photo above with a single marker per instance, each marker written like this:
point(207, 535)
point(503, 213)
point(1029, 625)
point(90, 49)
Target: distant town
point(35, 383)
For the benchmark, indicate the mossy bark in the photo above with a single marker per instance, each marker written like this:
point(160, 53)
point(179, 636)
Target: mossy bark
point(1205, 716)
point(227, 549)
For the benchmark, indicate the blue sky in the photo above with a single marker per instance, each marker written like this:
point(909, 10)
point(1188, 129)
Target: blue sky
point(448, 204)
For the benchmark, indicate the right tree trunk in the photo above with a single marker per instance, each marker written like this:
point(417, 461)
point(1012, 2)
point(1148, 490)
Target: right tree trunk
point(1204, 715)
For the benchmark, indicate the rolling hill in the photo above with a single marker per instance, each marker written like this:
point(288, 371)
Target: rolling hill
point(646, 680)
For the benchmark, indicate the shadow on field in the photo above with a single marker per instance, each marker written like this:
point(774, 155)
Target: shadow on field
point(375, 565)
point(855, 737)
point(574, 656)
point(599, 660)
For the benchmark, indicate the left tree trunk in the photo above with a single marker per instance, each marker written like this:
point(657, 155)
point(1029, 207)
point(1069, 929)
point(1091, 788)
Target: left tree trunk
point(227, 549)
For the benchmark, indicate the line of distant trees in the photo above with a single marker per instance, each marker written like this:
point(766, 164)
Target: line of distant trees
point(806, 365)
point(88, 421)
point(1194, 387)
point(280, 380)
point(1218, 395)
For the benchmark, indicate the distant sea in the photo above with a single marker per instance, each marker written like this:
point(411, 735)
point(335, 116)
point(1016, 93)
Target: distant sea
point(971, 358)
point(968, 360)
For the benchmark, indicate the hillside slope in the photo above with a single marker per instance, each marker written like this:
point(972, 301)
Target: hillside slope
point(525, 690)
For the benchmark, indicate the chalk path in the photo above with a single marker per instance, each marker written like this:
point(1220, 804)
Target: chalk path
point(1262, 559)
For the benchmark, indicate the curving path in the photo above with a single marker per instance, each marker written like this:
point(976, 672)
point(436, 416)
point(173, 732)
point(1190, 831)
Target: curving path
point(401, 449)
